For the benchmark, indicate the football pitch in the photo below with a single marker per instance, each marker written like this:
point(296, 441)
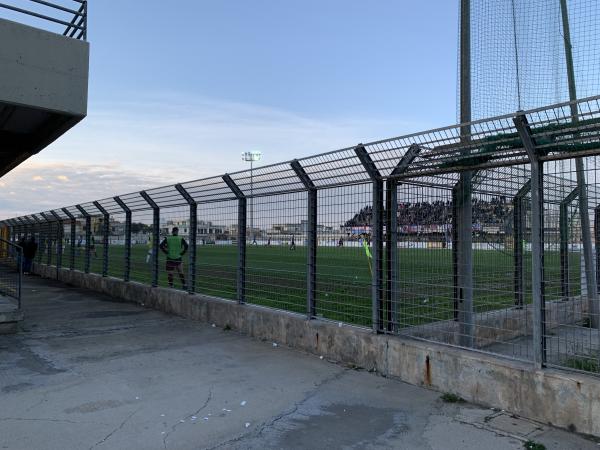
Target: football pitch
point(276, 277)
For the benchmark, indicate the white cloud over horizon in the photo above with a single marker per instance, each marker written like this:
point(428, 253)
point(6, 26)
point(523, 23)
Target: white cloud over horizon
point(151, 141)
point(41, 186)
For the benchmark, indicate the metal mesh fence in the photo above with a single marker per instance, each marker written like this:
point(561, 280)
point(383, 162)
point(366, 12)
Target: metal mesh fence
point(571, 318)
point(518, 58)
point(11, 261)
point(143, 252)
point(216, 260)
point(345, 217)
point(475, 235)
point(276, 252)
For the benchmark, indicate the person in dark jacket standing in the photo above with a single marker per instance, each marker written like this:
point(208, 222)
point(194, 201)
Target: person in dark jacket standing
point(29, 250)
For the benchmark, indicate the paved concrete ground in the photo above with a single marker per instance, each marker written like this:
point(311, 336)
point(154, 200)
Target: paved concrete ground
point(88, 372)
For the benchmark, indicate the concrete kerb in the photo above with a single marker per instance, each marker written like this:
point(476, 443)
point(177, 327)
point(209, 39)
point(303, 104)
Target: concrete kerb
point(10, 316)
point(560, 398)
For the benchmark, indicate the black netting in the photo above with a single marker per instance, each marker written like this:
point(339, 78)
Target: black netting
point(518, 58)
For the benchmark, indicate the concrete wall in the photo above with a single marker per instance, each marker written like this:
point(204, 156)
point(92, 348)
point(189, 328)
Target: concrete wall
point(564, 399)
point(42, 69)
point(10, 317)
point(503, 325)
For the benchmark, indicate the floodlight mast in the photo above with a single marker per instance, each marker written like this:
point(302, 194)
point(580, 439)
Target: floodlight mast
point(586, 234)
point(462, 218)
point(251, 157)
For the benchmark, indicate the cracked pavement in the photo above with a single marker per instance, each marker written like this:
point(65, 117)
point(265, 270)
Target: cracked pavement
point(89, 372)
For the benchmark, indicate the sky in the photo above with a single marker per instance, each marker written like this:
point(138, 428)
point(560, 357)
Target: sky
point(178, 90)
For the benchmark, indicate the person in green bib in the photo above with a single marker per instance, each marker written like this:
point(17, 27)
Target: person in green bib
point(174, 247)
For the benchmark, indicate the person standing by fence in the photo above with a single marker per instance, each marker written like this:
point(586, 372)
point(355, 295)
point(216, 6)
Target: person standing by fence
point(29, 250)
point(174, 247)
point(150, 251)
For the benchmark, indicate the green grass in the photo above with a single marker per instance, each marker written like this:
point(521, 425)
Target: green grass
point(452, 398)
point(583, 363)
point(276, 277)
point(532, 445)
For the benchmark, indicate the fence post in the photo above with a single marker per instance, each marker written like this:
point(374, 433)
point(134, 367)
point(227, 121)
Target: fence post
point(456, 292)
point(19, 228)
point(193, 228)
point(597, 243)
point(537, 241)
point(41, 237)
point(311, 239)
point(391, 241)
point(72, 237)
point(563, 224)
point(518, 237)
point(105, 236)
point(127, 253)
point(24, 227)
point(31, 226)
point(464, 258)
point(59, 241)
point(377, 237)
point(12, 230)
point(242, 220)
point(48, 243)
point(586, 235)
point(8, 224)
point(88, 237)
point(155, 235)
point(391, 254)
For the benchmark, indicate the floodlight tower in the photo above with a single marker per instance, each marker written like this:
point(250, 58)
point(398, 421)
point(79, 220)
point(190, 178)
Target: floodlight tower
point(251, 157)
point(586, 235)
point(462, 247)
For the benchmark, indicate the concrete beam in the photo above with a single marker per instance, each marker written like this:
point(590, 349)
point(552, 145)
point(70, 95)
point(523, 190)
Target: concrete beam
point(43, 70)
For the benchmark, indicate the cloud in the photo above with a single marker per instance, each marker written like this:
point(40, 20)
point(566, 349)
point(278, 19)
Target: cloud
point(167, 138)
point(190, 138)
point(86, 182)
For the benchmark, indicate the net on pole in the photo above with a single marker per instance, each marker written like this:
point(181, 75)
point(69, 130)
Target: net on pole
point(518, 53)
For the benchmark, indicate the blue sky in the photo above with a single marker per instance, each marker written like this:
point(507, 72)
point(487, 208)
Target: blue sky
point(179, 89)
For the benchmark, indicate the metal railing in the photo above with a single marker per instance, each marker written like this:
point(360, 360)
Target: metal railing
point(386, 235)
point(11, 270)
point(71, 14)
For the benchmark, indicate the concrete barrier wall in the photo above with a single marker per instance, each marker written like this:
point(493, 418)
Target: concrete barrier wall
point(563, 399)
point(503, 325)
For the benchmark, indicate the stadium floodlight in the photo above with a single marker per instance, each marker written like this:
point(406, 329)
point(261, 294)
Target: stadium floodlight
point(251, 157)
